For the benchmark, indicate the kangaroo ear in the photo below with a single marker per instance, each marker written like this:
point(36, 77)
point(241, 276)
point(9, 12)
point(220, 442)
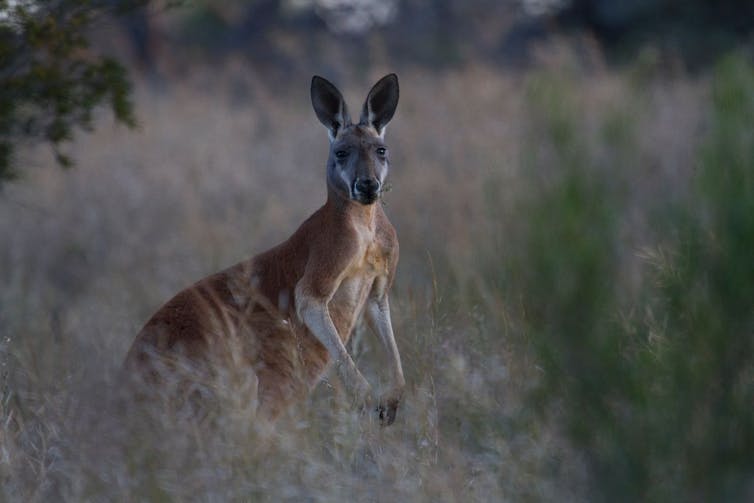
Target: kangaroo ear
point(329, 106)
point(381, 103)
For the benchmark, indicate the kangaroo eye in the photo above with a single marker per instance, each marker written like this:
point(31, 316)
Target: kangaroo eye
point(381, 151)
point(341, 154)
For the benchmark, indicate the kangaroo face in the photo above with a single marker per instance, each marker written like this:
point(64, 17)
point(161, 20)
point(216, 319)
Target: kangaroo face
point(358, 160)
point(358, 164)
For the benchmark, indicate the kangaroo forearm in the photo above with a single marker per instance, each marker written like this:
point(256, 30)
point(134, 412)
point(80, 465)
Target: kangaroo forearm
point(318, 321)
point(378, 318)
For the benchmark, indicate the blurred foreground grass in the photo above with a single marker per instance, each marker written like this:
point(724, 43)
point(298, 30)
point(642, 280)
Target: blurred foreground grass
point(573, 305)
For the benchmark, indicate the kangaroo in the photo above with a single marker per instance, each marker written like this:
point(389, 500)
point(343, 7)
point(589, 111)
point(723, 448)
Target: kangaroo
point(289, 312)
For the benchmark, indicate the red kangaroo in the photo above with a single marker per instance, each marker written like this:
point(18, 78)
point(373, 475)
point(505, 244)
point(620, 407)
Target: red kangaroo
point(289, 312)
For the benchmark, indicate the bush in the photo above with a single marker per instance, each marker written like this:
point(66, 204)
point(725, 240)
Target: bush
point(50, 78)
point(653, 386)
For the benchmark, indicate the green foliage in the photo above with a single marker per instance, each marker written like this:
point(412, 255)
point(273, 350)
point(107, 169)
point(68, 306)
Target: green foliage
point(51, 79)
point(706, 297)
point(660, 402)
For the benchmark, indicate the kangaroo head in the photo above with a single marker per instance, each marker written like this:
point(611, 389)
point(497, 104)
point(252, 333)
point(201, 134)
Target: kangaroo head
point(358, 161)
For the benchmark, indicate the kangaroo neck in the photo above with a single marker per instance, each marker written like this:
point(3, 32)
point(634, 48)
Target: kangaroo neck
point(347, 209)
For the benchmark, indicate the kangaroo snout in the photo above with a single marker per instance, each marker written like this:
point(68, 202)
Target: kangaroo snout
point(366, 190)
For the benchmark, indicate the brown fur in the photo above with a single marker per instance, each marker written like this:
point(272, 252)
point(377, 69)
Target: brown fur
point(262, 313)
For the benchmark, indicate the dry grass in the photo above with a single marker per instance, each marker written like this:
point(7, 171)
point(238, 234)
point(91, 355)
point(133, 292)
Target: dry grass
point(213, 177)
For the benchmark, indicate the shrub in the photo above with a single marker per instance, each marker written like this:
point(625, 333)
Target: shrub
point(653, 386)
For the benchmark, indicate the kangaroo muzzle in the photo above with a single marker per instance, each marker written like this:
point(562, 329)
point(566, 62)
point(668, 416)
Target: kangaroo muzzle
point(366, 190)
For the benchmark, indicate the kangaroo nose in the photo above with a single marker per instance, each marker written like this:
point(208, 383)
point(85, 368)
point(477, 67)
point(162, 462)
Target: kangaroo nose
point(367, 186)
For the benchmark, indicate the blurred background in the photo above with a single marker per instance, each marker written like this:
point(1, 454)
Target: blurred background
point(572, 183)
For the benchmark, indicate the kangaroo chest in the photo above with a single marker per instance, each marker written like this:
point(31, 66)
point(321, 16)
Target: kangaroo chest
point(347, 305)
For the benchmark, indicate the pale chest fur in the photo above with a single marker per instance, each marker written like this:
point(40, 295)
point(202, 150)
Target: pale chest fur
point(368, 272)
